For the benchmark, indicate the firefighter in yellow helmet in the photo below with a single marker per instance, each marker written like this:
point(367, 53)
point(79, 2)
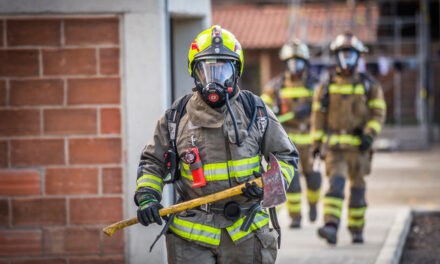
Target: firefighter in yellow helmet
point(208, 141)
point(291, 96)
point(348, 113)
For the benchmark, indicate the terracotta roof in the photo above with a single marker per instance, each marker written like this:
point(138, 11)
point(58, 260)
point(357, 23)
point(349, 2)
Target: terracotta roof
point(268, 26)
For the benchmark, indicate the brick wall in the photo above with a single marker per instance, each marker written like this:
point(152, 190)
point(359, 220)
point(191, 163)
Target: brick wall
point(60, 140)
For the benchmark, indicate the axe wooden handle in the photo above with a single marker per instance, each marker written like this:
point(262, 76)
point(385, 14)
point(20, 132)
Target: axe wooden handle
point(109, 230)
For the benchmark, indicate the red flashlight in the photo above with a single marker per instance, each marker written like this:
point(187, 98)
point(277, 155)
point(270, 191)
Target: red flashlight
point(192, 158)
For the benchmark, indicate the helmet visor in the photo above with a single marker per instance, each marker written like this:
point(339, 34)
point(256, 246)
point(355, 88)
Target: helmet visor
point(214, 71)
point(347, 58)
point(296, 66)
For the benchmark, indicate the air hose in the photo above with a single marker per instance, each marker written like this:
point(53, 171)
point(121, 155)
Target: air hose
point(237, 136)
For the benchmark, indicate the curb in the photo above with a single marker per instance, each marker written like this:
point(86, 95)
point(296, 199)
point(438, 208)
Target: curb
point(391, 251)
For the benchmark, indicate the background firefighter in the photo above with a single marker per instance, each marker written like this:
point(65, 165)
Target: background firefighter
point(348, 113)
point(230, 145)
point(291, 96)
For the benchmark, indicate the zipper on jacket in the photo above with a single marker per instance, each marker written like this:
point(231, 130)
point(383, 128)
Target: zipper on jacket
point(228, 158)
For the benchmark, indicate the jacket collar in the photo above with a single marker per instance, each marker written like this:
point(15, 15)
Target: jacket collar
point(202, 115)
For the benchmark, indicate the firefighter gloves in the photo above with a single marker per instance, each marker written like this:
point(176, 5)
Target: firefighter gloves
point(148, 211)
point(366, 143)
point(253, 191)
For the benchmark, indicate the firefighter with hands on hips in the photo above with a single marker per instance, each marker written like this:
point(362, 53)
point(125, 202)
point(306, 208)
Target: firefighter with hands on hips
point(348, 113)
point(214, 139)
point(291, 97)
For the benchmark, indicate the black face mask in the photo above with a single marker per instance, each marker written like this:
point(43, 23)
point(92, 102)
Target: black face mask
point(214, 78)
point(347, 60)
point(296, 66)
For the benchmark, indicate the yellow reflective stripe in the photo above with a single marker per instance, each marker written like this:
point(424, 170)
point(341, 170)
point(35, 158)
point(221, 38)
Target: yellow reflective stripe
point(343, 139)
point(194, 231)
point(346, 89)
point(293, 197)
point(355, 222)
point(333, 201)
point(357, 212)
point(374, 125)
point(377, 103)
point(332, 211)
point(261, 219)
point(285, 117)
point(184, 174)
point(266, 99)
point(316, 106)
point(300, 139)
point(313, 196)
point(287, 170)
point(148, 180)
point(294, 208)
point(295, 92)
point(244, 161)
point(317, 134)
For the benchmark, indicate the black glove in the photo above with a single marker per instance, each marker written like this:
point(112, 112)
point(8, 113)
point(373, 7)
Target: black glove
point(366, 142)
point(148, 211)
point(316, 152)
point(303, 111)
point(253, 191)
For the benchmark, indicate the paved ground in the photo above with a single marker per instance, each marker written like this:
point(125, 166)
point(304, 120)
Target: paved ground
point(398, 179)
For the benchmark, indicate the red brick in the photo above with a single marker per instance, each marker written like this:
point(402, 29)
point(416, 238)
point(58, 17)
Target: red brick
point(38, 211)
point(1, 34)
point(30, 152)
point(4, 212)
point(93, 91)
point(114, 244)
point(91, 31)
point(71, 181)
point(95, 210)
point(36, 92)
point(39, 261)
point(20, 182)
point(18, 63)
point(70, 121)
point(95, 150)
point(97, 260)
point(110, 121)
point(3, 153)
point(69, 61)
point(20, 243)
point(112, 180)
point(72, 241)
point(2, 93)
point(19, 122)
point(109, 60)
point(33, 32)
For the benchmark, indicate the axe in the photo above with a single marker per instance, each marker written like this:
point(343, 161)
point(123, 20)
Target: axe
point(271, 182)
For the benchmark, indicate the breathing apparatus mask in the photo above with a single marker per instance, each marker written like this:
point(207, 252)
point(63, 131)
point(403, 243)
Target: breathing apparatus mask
point(296, 66)
point(215, 80)
point(347, 60)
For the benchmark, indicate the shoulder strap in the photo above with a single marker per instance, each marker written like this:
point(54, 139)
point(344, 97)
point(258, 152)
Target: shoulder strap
point(174, 114)
point(366, 80)
point(325, 100)
point(255, 110)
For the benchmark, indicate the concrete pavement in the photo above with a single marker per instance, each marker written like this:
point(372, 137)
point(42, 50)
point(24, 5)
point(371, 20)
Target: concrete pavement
point(398, 180)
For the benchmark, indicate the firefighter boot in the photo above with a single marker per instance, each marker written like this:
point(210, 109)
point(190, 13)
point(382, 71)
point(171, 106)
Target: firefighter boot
point(296, 222)
point(312, 212)
point(329, 233)
point(357, 237)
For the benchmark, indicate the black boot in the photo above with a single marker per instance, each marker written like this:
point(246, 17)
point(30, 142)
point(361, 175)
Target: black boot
point(329, 232)
point(296, 222)
point(312, 212)
point(357, 237)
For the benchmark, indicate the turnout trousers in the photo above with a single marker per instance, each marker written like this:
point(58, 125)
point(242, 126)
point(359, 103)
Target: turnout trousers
point(260, 248)
point(313, 181)
point(341, 165)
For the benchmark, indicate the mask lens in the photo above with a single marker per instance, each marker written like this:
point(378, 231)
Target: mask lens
point(214, 71)
point(347, 58)
point(296, 65)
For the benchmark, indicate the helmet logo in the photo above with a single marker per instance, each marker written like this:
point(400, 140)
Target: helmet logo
point(194, 46)
point(213, 97)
